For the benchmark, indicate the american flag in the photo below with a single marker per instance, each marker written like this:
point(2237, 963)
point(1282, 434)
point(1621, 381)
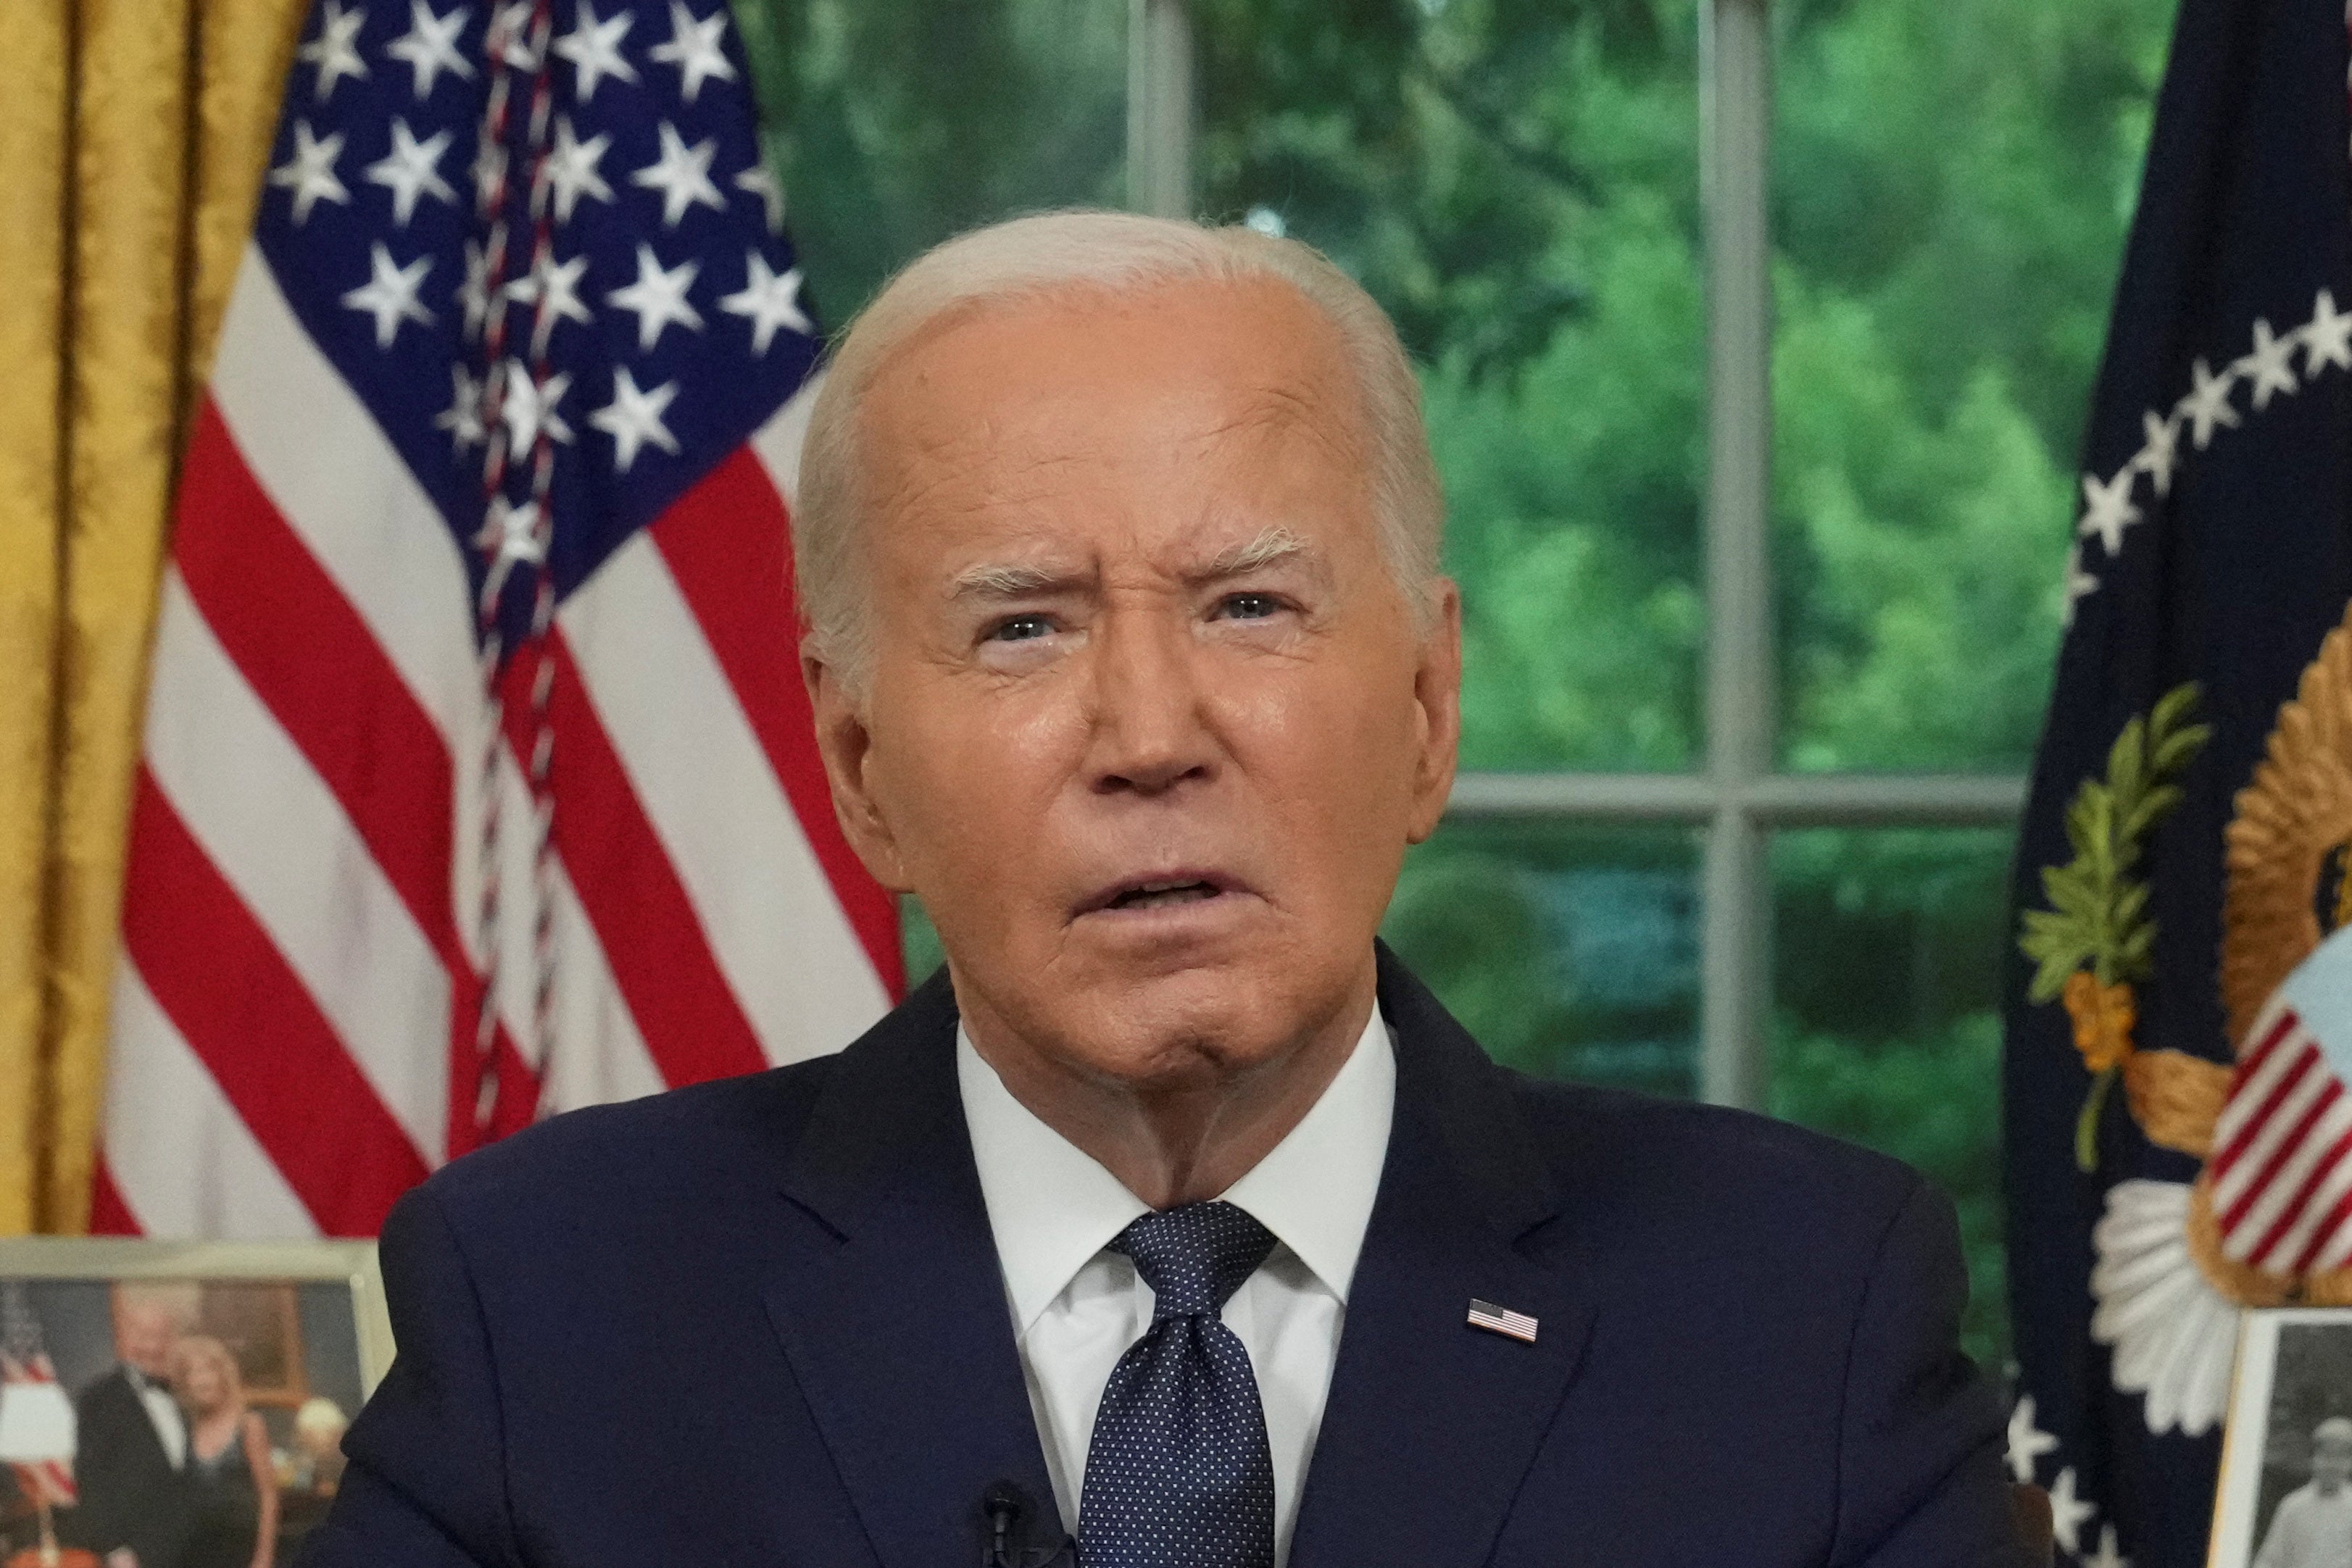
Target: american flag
point(2282, 1164)
point(25, 1364)
point(478, 781)
point(1502, 1321)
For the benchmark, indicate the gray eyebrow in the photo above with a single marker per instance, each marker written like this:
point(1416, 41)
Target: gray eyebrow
point(1273, 544)
point(1002, 579)
point(1011, 580)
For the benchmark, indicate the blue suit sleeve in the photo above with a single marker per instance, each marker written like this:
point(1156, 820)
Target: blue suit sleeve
point(1921, 1482)
point(425, 1484)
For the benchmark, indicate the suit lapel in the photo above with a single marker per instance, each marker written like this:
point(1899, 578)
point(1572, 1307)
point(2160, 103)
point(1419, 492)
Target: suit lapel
point(1431, 1423)
point(891, 1305)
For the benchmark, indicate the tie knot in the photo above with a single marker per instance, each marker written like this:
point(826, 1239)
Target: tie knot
point(1195, 1256)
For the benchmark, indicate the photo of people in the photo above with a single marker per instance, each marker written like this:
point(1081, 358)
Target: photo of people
point(206, 1416)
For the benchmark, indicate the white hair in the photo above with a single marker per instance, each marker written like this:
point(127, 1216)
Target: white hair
point(1116, 254)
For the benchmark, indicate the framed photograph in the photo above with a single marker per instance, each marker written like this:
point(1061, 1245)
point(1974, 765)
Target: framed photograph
point(2285, 1495)
point(168, 1405)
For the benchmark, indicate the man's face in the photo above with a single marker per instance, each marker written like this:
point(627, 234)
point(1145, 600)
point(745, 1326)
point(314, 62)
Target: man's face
point(144, 1337)
point(2331, 1464)
point(1150, 721)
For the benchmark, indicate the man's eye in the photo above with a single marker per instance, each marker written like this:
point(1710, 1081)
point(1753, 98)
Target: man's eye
point(1249, 606)
point(1022, 628)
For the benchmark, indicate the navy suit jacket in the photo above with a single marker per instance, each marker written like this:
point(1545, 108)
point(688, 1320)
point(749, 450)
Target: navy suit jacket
point(760, 1321)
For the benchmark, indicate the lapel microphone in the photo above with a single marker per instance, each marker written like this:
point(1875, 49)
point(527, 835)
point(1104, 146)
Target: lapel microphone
point(1005, 1542)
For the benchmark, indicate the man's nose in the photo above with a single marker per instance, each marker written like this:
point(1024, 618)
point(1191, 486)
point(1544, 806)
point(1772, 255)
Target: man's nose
point(1150, 733)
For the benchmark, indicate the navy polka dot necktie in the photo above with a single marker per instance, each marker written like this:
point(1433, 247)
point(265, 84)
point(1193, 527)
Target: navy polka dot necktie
point(1179, 1474)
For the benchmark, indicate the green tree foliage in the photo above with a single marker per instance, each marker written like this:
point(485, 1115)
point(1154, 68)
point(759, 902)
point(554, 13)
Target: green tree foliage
point(896, 123)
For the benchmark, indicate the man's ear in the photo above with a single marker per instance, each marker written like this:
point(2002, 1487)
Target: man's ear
point(1437, 698)
point(846, 744)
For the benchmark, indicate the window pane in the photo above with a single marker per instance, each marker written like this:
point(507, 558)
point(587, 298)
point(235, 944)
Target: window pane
point(1887, 955)
point(1518, 185)
point(1951, 189)
point(896, 123)
point(1570, 952)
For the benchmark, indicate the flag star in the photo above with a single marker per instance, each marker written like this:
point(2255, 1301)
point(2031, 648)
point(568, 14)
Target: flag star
point(2327, 338)
point(509, 36)
point(593, 47)
point(2108, 509)
point(555, 290)
point(572, 167)
point(658, 298)
point(2161, 453)
point(310, 172)
point(2069, 1513)
point(390, 294)
point(761, 182)
point(430, 47)
point(634, 417)
point(2208, 404)
point(411, 169)
point(463, 418)
point(767, 301)
point(682, 174)
point(335, 51)
point(2080, 585)
point(528, 408)
point(510, 533)
point(2106, 1556)
point(474, 293)
point(2268, 364)
point(694, 49)
point(2028, 1442)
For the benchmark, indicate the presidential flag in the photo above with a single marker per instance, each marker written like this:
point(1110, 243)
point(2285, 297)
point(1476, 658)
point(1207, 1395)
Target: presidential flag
point(478, 781)
point(2179, 1138)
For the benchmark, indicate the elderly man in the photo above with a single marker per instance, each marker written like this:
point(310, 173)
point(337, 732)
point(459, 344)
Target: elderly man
point(1174, 1216)
point(131, 1459)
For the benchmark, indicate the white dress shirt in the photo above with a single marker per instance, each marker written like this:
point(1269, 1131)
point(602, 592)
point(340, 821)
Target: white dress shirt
point(163, 1414)
point(1077, 1307)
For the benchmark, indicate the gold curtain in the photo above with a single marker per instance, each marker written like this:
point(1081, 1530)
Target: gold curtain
point(133, 139)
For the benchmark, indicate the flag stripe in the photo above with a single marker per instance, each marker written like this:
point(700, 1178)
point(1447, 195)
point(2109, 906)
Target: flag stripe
point(195, 1168)
point(299, 870)
point(2321, 1209)
point(788, 955)
point(692, 1025)
point(2322, 1160)
point(213, 973)
point(363, 516)
point(2243, 1136)
point(309, 659)
point(2281, 1149)
point(599, 1054)
point(727, 543)
point(2334, 1238)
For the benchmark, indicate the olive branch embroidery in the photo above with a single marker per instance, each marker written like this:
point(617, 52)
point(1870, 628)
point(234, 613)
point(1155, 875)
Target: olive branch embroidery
point(2097, 940)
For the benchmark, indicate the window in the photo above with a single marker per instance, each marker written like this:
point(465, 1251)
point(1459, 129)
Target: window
point(1756, 344)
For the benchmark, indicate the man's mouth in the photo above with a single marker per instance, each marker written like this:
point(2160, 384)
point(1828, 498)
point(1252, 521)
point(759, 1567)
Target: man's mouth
point(1165, 891)
point(1158, 895)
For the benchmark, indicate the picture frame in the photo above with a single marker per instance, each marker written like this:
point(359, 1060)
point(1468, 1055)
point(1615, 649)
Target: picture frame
point(2286, 1451)
point(184, 1401)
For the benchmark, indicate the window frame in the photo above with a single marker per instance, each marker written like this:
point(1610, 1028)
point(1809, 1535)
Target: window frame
point(1740, 795)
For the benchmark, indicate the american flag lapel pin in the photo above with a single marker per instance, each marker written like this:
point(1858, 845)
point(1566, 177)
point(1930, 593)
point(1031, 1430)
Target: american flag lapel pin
point(1502, 1321)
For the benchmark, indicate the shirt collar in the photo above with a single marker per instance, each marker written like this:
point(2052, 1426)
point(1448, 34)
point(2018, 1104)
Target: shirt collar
point(1052, 1206)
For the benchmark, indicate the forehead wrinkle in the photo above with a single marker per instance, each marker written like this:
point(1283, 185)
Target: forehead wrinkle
point(1274, 408)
